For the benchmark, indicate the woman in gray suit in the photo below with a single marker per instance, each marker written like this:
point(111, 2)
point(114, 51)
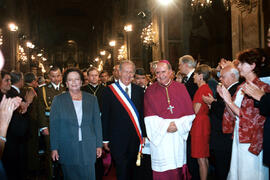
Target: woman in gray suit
point(75, 129)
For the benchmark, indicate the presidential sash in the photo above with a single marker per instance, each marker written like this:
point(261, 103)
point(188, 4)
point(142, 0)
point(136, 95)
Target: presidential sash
point(126, 102)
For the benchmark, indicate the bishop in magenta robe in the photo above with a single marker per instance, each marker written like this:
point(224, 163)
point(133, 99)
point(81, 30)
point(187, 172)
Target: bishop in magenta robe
point(163, 105)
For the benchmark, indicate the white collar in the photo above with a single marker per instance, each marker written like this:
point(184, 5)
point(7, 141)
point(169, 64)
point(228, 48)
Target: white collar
point(17, 89)
point(190, 73)
point(94, 85)
point(41, 85)
point(232, 85)
point(56, 86)
point(124, 86)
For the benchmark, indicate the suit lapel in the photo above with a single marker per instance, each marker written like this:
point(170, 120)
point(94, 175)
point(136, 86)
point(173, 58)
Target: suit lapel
point(190, 80)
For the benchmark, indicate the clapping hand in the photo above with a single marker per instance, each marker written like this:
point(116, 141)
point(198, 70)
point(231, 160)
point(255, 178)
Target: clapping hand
point(224, 93)
point(208, 99)
point(253, 91)
point(7, 106)
point(30, 94)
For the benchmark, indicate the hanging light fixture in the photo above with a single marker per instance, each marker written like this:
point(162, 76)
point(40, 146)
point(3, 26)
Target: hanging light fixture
point(197, 4)
point(242, 5)
point(122, 53)
point(148, 35)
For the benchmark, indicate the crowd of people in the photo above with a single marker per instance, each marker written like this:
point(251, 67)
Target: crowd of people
point(77, 124)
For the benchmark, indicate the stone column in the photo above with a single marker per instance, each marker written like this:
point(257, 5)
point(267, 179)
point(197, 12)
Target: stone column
point(247, 27)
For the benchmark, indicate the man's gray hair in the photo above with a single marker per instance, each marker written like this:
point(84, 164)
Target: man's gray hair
point(235, 71)
point(127, 62)
point(188, 60)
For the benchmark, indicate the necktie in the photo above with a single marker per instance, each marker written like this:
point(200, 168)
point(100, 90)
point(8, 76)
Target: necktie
point(127, 91)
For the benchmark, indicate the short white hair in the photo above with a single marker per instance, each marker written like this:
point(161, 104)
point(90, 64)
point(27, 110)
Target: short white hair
point(235, 71)
point(188, 59)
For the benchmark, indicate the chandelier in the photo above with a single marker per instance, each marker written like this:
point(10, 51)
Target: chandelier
point(122, 53)
point(148, 35)
point(242, 5)
point(22, 55)
point(196, 4)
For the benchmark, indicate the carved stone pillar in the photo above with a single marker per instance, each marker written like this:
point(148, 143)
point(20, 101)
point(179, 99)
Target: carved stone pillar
point(247, 27)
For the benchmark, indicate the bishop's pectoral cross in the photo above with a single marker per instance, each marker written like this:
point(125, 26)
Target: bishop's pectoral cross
point(170, 108)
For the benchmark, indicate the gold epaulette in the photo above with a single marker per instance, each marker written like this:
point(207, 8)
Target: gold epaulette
point(48, 108)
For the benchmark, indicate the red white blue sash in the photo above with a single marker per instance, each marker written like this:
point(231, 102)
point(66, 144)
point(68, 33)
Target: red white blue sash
point(132, 111)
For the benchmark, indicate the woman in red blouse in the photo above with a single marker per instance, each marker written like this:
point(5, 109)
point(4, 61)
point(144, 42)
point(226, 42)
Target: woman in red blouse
point(243, 119)
point(200, 130)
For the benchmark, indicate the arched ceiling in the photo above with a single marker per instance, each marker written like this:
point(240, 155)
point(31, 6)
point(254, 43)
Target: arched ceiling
point(78, 20)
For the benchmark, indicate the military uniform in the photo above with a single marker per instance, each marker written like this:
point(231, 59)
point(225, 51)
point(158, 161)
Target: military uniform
point(45, 98)
point(33, 164)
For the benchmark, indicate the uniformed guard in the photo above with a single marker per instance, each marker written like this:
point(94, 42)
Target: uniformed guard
point(29, 91)
point(45, 98)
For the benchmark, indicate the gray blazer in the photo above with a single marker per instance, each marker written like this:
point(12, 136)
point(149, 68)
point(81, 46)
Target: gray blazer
point(64, 129)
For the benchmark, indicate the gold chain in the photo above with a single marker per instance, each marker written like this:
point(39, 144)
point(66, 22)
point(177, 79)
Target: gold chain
point(168, 97)
point(94, 92)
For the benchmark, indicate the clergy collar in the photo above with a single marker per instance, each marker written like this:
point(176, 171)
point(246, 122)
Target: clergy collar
point(166, 85)
point(190, 73)
point(17, 89)
point(124, 86)
point(56, 86)
point(94, 85)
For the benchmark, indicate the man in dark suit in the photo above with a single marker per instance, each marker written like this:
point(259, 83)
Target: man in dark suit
point(187, 66)
point(14, 155)
point(119, 134)
point(220, 143)
point(104, 77)
point(115, 77)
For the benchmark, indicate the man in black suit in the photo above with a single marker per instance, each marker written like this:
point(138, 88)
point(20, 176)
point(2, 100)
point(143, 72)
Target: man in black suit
point(220, 143)
point(187, 66)
point(119, 134)
point(115, 77)
point(14, 155)
point(104, 77)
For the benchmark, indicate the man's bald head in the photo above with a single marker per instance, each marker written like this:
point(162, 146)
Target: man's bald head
point(229, 75)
